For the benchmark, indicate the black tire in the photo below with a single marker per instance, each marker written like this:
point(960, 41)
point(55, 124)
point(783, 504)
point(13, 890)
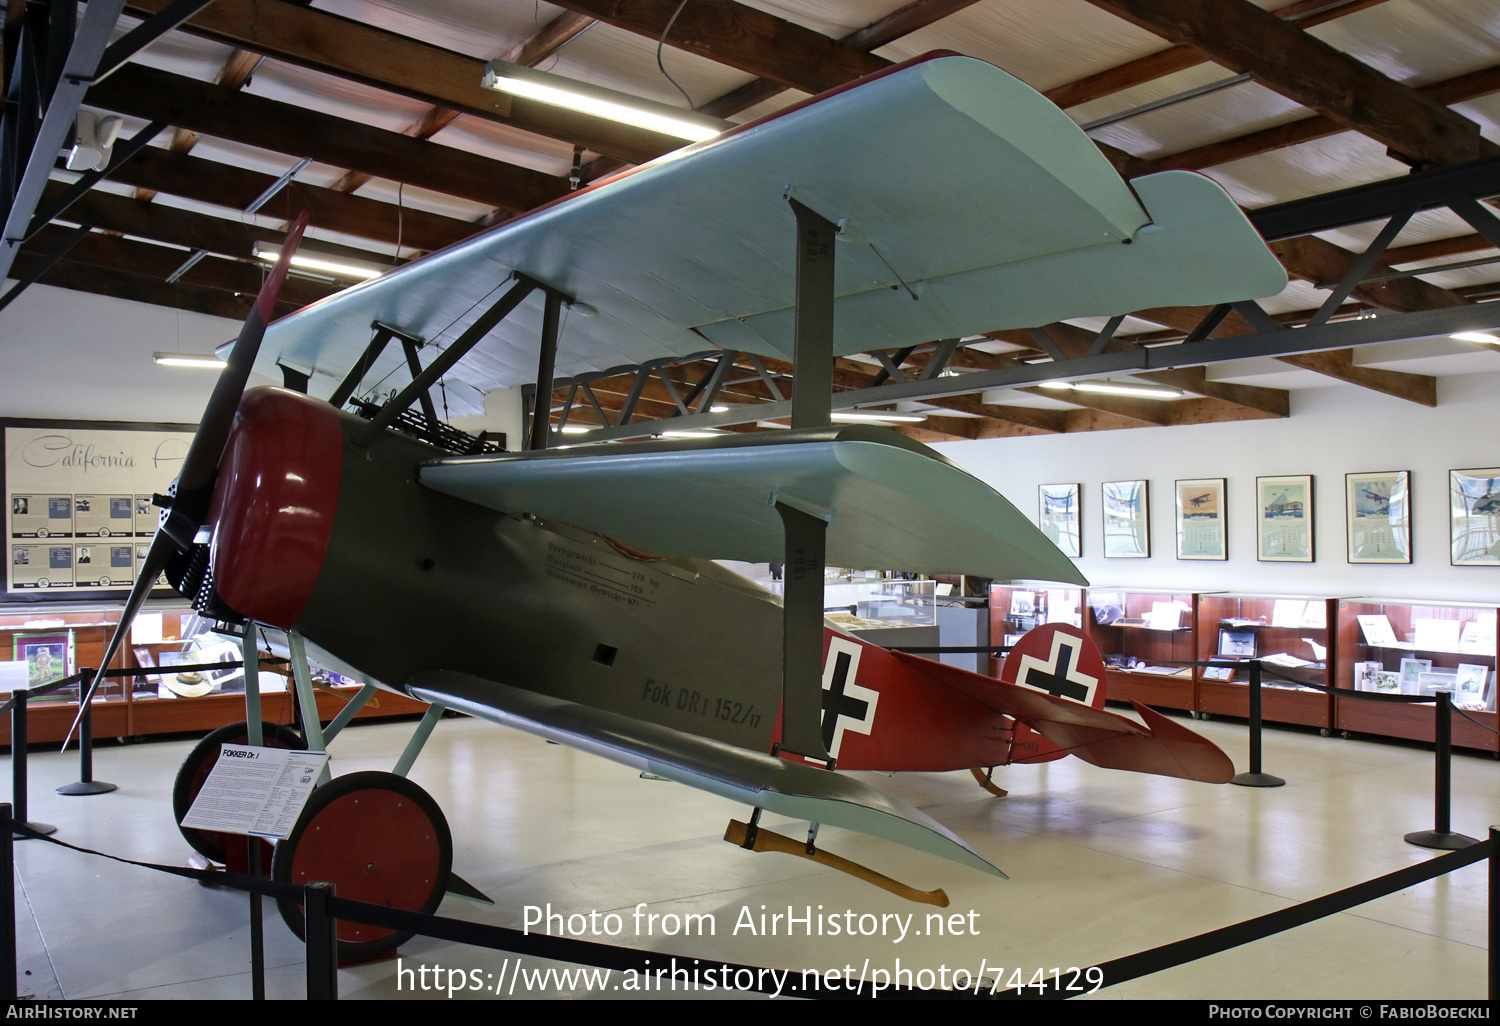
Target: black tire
point(387, 842)
point(195, 769)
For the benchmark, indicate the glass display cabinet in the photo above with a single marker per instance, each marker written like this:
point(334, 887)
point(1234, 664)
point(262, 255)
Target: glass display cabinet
point(1141, 633)
point(1018, 606)
point(1289, 634)
point(1416, 647)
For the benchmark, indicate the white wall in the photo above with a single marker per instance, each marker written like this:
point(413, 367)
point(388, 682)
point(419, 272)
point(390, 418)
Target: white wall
point(1332, 431)
point(68, 355)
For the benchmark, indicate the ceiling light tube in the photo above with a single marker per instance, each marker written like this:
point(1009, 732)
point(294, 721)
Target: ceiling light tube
point(313, 262)
point(1128, 388)
point(876, 417)
point(202, 360)
point(1476, 336)
point(519, 80)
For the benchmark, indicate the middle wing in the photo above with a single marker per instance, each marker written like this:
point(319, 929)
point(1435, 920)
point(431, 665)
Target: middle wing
point(889, 502)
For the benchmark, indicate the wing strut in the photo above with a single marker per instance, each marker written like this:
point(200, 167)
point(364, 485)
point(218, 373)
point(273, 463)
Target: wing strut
point(807, 530)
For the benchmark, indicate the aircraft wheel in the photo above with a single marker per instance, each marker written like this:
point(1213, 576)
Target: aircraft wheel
point(195, 769)
point(378, 838)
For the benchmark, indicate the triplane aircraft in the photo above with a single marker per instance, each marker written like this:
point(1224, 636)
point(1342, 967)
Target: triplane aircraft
point(570, 592)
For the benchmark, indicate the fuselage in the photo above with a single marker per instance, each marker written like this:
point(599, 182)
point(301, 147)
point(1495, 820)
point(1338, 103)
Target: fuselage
point(394, 579)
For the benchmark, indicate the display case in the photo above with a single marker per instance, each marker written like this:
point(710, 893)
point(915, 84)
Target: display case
point(76, 636)
point(1290, 636)
point(1141, 633)
point(1018, 606)
point(1416, 646)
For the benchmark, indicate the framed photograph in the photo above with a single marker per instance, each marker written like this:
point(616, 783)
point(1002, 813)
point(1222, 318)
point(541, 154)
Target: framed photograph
point(48, 657)
point(1474, 517)
point(1059, 517)
point(1127, 526)
point(1200, 519)
point(1239, 644)
point(1284, 519)
point(1470, 681)
point(1364, 674)
point(1411, 671)
point(1378, 512)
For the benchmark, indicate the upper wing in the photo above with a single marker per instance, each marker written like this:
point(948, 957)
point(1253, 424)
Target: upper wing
point(888, 501)
point(785, 788)
point(953, 182)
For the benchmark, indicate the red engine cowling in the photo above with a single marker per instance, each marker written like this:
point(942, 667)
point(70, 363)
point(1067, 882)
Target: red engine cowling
point(274, 504)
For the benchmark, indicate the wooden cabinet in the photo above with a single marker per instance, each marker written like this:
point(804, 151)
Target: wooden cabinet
point(140, 708)
point(1018, 606)
point(1141, 633)
point(1290, 635)
point(1455, 641)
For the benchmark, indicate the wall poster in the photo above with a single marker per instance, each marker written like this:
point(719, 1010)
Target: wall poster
point(1284, 519)
point(1127, 527)
point(1201, 531)
point(78, 496)
point(1378, 509)
point(1059, 517)
point(1474, 517)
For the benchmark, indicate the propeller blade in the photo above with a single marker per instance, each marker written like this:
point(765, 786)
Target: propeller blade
point(195, 481)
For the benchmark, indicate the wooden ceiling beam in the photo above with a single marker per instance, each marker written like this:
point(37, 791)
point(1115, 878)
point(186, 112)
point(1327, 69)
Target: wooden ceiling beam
point(1180, 58)
point(235, 188)
point(350, 49)
point(741, 37)
point(174, 226)
point(1301, 67)
point(1339, 364)
point(147, 259)
point(901, 22)
point(1450, 91)
point(547, 41)
point(298, 132)
point(103, 281)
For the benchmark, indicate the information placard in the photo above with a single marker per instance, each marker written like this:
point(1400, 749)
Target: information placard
point(256, 791)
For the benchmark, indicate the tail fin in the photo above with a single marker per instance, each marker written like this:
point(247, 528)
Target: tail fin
point(1054, 661)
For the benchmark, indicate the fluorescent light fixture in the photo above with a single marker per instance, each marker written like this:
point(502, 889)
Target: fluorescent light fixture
point(519, 80)
point(1129, 388)
point(313, 262)
point(690, 434)
point(1476, 336)
point(876, 417)
point(205, 360)
point(576, 429)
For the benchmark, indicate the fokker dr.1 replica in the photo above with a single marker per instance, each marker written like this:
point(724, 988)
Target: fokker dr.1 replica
point(570, 592)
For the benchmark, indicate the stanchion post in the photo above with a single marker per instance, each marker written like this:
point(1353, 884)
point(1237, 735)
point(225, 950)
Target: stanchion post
point(8, 909)
point(1494, 913)
point(321, 932)
point(18, 766)
point(1441, 836)
point(1255, 778)
point(86, 784)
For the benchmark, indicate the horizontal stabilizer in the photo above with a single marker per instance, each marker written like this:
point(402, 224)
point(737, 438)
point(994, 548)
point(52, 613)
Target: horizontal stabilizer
point(1102, 738)
point(718, 501)
point(785, 788)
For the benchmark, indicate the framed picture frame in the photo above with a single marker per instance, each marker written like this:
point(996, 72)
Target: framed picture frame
point(1201, 523)
point(1059, 516)
point(1127, 519)
point(1284, 519)
point(1474, 517)
point(1377, 510)
point(48, 657)
point(1236, 644)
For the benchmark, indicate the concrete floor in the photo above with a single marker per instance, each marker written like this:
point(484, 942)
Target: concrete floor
point(1101, 864)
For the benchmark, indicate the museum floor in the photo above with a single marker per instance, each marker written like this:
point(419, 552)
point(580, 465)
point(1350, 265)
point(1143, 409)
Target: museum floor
point(1101, 864)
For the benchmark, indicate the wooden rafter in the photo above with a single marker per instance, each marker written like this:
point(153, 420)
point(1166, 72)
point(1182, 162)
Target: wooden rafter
point(1244, 37)
point(1307, 13)
point(298, 132)
point(349, 49)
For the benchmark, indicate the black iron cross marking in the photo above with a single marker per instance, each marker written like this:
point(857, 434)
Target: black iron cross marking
point(836, 703)
point(1054, 681)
